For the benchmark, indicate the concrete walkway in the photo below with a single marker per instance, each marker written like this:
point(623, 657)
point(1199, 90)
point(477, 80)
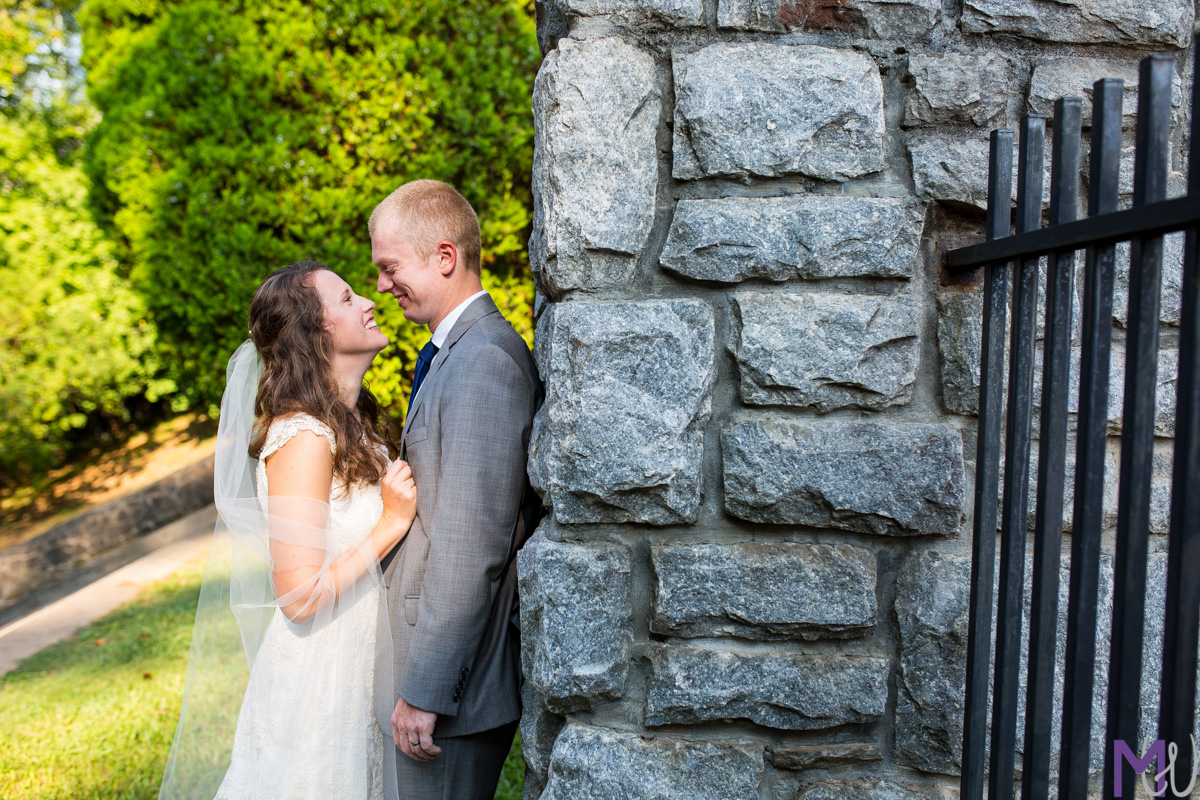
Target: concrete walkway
point(55, 612)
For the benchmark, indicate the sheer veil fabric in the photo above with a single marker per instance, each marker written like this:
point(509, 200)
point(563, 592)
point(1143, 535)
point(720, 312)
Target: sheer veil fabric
point(285, 696)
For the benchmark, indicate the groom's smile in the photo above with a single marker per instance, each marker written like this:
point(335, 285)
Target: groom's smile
point(402, 299)
point(419, 283)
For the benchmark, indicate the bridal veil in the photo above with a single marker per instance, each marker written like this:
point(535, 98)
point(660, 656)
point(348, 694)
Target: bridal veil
point(313, 666)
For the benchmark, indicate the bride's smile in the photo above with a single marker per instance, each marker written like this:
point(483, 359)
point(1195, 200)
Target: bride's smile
point(349, 317)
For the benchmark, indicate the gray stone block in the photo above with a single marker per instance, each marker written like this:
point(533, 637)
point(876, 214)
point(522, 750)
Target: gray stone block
point(874, 789)
point(906, 20)
point(539, 730)
point(592, 763)
point(1152, 655)
point(765, 109)
point(1160, 493)
point(576, 621)
point(1076, 300)
point(825, 350)
point(952, 168)
point(781, 238)
point(883, 19)
point(960, 343)
point(1160, 487)
point(595, 164)
point(1108, 501)
point(628, 393)
point(638, 14)
point(788, 691)
point(1143, 22)
point(1165, 393)
point(824, 756)
point(931, 610)
point(763, 591)
point(1063, 77)
point(1100, 672)
point(932, 591)
point(885, 479)
point(959, 88)
point(1116, 383)
point(1172, 281)
point(1175, 181)
point(532, 787)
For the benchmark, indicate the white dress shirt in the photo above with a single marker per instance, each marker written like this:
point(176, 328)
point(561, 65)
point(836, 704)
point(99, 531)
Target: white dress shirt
point(443, 329)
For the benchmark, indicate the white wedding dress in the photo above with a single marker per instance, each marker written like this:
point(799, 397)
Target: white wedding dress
point(308, 723)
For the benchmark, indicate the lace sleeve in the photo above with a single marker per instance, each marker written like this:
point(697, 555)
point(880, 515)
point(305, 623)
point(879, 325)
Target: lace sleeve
point(284, 428)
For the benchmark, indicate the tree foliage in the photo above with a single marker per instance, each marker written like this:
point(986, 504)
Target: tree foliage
point(239, 136)
point(76, 341)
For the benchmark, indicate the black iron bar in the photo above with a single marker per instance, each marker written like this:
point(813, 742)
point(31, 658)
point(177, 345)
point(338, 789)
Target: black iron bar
point(1052, 443)
point(983, 536)
point(1014, 513)
point(1164, 217)
point(1181, 629)
point(1080, 655)
point(1151, 164)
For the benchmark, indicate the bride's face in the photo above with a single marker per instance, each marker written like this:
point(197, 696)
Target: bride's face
point(350, 319)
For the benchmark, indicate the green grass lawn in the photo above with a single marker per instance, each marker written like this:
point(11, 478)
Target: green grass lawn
point(93, 716)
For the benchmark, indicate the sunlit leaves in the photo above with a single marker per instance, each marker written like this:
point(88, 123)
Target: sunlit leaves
point(238, 137)
point(75, 341)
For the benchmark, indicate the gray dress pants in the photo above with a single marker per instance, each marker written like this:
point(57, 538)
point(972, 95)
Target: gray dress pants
point(468, 768)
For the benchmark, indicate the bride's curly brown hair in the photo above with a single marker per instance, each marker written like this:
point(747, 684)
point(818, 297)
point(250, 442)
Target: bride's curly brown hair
point(287, 325)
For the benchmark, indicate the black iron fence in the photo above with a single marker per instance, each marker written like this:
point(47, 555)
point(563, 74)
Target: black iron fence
point(1015, 259)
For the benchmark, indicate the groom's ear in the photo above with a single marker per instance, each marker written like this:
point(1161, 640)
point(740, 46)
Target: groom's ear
point(447, 256)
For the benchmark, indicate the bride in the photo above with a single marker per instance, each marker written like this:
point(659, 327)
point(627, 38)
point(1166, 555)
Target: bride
point(292, 608)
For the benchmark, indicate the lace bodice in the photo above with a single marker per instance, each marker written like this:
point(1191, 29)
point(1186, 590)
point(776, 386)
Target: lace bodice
point(352, 514)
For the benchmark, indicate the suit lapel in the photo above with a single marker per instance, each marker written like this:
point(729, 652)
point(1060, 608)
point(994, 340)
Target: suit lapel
point(479, 308)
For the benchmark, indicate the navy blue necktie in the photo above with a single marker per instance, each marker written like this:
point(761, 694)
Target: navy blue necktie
point(424, 359)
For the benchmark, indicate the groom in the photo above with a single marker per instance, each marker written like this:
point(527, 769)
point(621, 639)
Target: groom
point(452, 583)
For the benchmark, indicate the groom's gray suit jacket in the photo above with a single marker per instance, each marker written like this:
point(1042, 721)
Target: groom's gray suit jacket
point(452, 583)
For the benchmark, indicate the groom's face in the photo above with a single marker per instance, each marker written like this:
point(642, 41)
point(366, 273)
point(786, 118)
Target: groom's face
point(407, 276)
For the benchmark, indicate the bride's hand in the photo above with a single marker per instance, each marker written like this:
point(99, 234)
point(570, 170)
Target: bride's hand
point(399, 494)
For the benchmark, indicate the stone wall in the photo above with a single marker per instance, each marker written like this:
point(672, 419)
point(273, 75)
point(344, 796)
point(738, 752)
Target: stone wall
point(89, 536)
point(758, 437)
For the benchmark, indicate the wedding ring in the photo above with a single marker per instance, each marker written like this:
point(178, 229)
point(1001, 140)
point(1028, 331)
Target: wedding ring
point(414, 744)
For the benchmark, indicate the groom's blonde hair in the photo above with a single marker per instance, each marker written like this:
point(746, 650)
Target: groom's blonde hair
point(426, 212)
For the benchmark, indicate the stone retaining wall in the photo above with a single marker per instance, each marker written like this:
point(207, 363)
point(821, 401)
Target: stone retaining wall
point(758, 437)
point(81, 540)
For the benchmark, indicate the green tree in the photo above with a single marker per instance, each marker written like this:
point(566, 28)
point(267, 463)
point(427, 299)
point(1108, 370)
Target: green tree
point(240, 136)
point(76, 342)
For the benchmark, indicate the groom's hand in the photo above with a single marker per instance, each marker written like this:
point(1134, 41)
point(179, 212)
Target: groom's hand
point(412, 729)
